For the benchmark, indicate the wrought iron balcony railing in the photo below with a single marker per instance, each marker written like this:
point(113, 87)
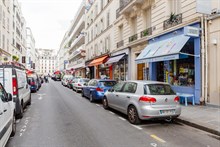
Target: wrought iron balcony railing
point(120, 43)
point(133, 38)
point(146, 32)
point(174, 20)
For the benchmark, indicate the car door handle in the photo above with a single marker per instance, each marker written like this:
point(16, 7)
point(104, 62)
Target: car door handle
point(128, 97)
point(5, 110)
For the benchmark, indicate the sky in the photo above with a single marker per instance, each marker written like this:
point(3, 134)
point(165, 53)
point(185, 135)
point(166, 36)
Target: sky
point(49, 20)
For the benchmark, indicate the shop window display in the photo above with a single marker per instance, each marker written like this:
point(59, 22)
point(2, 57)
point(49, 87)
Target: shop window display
point(179, 72)
point(120, 70)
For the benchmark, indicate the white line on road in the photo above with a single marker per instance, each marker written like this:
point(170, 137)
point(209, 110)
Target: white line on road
point(17, 121)
point(97, 105)
point(111, 112)
point(137, 127)
point(20, 134)
point(122, 118)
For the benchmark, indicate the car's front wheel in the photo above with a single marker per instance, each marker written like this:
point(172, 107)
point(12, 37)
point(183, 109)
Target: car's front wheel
point(105, 103)
point(133, 117)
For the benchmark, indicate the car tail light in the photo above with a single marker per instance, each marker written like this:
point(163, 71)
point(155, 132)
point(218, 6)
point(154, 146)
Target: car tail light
point(14, 86)
point(99, 89)
point(147, 99)
point(176, 99)
point(79, 85)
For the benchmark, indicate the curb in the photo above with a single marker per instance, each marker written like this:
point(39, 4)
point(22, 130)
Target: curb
point(215, 132)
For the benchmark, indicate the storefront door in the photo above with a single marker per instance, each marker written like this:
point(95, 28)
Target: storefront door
point(140, 75)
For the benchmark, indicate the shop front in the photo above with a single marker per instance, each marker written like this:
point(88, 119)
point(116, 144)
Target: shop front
point(77, 68)
point(175, 58)
point(119, 64)
point(101, 70)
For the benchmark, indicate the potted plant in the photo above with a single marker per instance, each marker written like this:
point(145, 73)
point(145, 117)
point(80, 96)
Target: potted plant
point(172, 17)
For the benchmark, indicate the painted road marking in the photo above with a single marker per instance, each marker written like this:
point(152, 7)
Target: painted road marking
point(122, 118)
point(153, 144)
point(97, 105)
point(17, 121)
point(111, 112)
point(137, 127)
point(157, 138)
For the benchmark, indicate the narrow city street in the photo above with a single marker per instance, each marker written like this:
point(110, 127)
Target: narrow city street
point(60, 117)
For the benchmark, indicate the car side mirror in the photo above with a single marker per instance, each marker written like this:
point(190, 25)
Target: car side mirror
point(85, 84)
point(9, 97)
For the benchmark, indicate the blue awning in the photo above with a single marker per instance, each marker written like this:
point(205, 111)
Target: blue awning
point(168, 49)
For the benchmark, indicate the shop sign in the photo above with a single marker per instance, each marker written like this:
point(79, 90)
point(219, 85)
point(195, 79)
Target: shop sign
point(163, 58)
point(191, 31)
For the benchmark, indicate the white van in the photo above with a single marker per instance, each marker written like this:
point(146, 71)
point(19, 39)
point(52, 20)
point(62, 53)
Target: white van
point(7, 117)
point(14, 79)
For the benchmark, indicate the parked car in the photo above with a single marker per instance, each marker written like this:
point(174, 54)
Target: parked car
point(65, 79)
point(7, 116)
point(69, 82)
point(143, 100)
point(78, 83)
point(14, 78)
point(32, 81)
point(96, 88)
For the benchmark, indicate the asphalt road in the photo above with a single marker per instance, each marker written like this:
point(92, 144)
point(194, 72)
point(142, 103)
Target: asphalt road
point(59, 117)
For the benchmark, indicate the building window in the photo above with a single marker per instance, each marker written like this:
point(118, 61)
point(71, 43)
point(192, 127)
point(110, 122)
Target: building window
point(3, 41)
point(101, 4)
point(174, 6)
point(147, 18)
point(120, 33)
point(108, 19)
point(134, 26)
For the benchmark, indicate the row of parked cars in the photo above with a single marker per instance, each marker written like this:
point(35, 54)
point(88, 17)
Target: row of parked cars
point(139, 100)
point(15, 94)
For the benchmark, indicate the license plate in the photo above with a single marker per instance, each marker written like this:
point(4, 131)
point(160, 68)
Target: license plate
point(167, 112)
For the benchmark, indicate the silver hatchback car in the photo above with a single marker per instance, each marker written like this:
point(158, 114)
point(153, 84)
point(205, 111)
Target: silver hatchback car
point(143, 100)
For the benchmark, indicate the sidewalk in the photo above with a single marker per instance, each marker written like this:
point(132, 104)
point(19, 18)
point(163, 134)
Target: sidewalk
point(206, 118)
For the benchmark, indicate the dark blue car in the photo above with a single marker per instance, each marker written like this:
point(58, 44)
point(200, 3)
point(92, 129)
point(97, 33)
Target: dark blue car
point(95, 88)
point(33, 84)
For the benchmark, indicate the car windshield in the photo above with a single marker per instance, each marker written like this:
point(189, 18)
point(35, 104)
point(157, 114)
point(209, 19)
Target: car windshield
point(158, 89)
point(107, 83)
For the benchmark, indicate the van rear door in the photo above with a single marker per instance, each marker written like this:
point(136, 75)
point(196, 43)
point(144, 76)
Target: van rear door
point(6, 79)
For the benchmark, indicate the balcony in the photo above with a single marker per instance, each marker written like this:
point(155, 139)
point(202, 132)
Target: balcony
point(174, 20)
point(123, 4)
point(146, 32)
point(133, 38)
point(120, 43)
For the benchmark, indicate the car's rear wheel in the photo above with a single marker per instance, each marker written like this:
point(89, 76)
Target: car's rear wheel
point(133, 117)
point(105, 103)
point(13, 126)
point(91, 98)
point(20, 115)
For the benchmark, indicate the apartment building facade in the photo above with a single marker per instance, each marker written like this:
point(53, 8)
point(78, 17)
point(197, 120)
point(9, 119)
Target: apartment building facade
point(100, 16)
point(76, 44)
point(47, 61)
point(12, 32)
point(5, 31)
point(31, 58)
point(18, 32)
